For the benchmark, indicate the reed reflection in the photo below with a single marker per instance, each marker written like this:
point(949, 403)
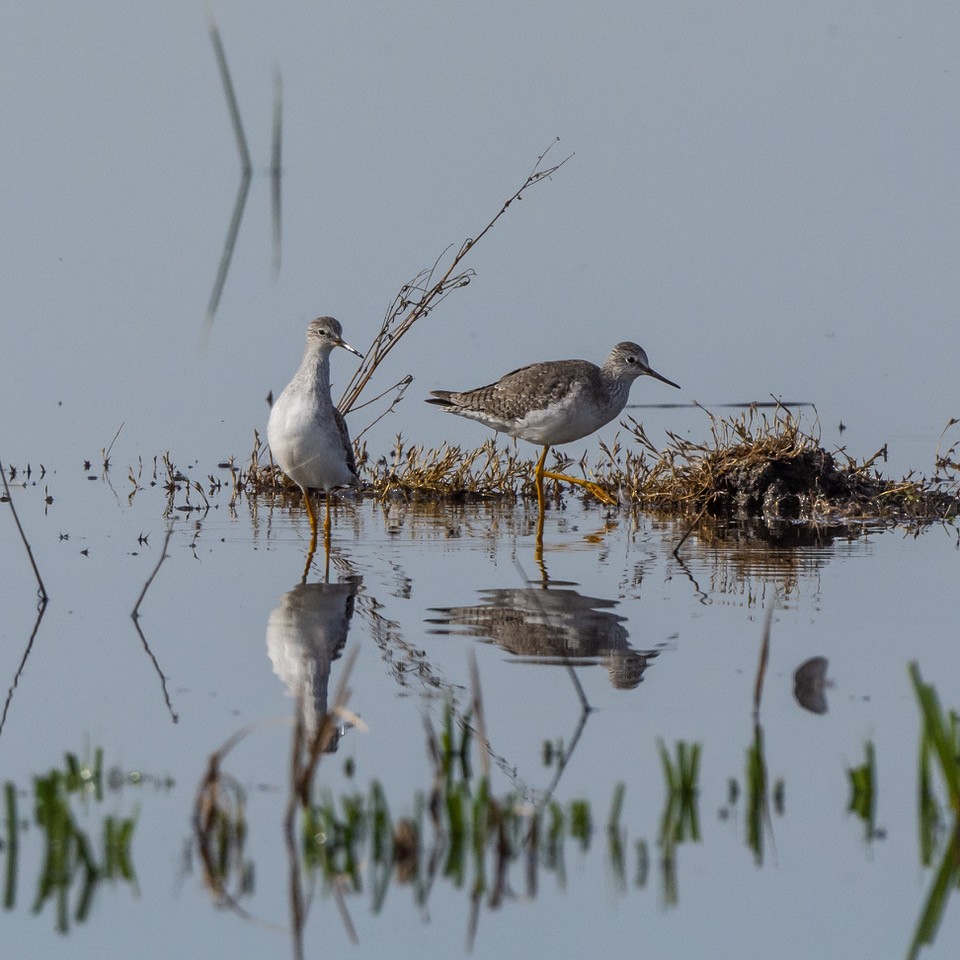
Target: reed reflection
point(306, 632)
point(551, 626)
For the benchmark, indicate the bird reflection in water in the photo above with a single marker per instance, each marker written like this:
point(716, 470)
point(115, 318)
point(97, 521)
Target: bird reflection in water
point(306, 632)
point(810, 683)
point(553, 626)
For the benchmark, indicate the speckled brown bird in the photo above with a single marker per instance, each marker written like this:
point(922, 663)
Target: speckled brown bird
point(558, 401)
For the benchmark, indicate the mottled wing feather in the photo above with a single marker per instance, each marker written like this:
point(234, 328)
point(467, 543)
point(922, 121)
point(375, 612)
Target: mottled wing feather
point(533, 387)
point(347, 442)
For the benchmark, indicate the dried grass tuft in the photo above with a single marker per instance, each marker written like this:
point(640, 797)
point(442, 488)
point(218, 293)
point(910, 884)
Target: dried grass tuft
point(769, 465)
point(756, 464)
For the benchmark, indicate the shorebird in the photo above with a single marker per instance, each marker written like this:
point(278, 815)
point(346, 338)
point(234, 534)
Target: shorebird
point(306, 633)
point(307, 433)
point(555, 402)
point(550, 626)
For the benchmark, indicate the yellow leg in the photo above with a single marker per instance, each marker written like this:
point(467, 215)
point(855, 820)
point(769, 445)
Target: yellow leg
point(313, 533)
point(538, 479)
point(538, 548)
point(308, 503)
point(326, 541)
point(594, 488)
point(326, 524)
point(306, 566)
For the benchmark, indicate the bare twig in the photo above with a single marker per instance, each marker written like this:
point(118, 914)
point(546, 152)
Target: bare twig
point(338, 887)
point(764, 656)
point(420, 295)
point(484, 743)
point(231, 96)
point(246, 172)
point(135, 613)
point(218, 815)
point(946, 462)
point(42, 608)
point(41, 589)
point(106, 453)
point(228, 246)
point(135, 617)
point(156, 666)
point(276, 168)
point(690, 529)
point(400, 387)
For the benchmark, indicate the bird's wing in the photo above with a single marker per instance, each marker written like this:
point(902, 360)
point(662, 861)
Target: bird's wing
point(347, 442)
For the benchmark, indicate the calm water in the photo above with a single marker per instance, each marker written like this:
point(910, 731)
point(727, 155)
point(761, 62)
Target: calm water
point(764, 198)
point(661, 650)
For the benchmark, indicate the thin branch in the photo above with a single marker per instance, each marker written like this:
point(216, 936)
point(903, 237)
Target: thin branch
point(229, 243)
point(156, 666)
point(42, 590)
point(106, 453)
point(135, 613)
point(484, 743)
point(404, 311)
point(564, 758)
point(276, 169)
point(245, 174)
point(401, 387)
point(690, 529)
point(231, 96)
point(41, 610)
point(764, 656)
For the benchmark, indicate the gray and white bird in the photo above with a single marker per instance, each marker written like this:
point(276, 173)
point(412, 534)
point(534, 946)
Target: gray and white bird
point(558, 401)
point(307, 433)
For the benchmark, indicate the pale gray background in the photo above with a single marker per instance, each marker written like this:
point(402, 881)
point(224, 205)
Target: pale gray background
point(764, 196)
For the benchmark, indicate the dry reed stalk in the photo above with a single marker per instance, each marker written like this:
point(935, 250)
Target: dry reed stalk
point(429, 288)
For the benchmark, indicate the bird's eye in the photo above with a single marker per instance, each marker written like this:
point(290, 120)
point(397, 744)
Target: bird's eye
point(631, 359)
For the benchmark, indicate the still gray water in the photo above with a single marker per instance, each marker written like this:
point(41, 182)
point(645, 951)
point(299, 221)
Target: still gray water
point(661, 650)
point(764, 198)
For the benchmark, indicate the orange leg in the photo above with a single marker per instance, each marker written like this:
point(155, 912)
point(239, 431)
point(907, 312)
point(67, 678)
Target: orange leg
point(541, 504)
point(594, 488)
point(326, 525)
point(538, 479)
point(308, 503)
point(306, 566)
point(313, 537)
point(326, 541)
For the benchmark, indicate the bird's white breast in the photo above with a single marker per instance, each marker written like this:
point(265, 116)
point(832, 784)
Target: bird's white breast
point(307, 444)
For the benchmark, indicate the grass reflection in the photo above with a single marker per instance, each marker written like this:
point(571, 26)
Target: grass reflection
point(681, 818)
point(455, 833)
point(939, 743)
point(863, 792)
point(74, 865)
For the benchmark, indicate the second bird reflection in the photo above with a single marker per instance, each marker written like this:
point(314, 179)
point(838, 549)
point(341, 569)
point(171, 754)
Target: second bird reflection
point(306, 632)
point(551, 627)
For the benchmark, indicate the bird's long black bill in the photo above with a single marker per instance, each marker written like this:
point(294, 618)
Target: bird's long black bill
point(650, 372)
point(346, 346)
